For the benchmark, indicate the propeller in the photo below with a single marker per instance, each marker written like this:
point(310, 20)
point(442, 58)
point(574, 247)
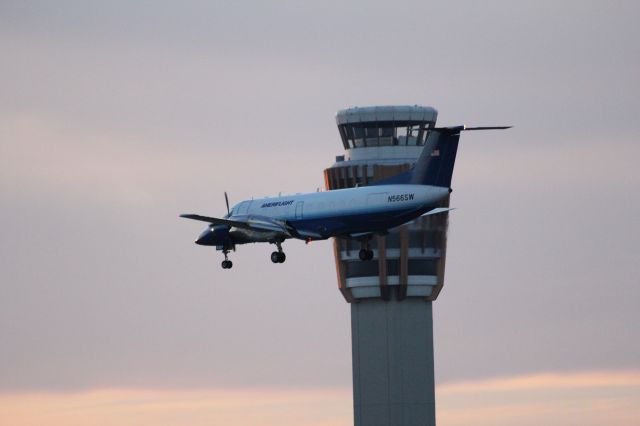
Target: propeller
point(226, 200)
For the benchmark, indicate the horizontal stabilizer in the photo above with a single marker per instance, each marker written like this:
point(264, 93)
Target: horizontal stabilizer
point(438, 210)
point(456, 129)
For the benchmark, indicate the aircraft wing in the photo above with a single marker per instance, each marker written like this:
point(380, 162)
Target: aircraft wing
point(254, 223)
point(216, 221)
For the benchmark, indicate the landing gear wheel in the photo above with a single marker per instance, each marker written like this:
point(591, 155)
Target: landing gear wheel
point(226, 263)
point(365, 254)
point(278, 257)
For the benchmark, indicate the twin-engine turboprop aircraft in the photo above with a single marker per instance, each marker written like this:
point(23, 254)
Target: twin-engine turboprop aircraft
point(356, 213)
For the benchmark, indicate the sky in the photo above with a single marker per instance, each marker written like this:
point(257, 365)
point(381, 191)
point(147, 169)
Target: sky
point(116, 117)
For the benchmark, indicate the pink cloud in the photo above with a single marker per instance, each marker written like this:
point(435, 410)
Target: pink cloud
point(588, 398)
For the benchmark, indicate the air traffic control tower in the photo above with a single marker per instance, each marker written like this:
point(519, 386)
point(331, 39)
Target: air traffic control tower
point(391, 295)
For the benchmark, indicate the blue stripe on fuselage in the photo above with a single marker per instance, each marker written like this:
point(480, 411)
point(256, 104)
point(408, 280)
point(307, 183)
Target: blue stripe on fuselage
point(355, 223)
point(329, 226)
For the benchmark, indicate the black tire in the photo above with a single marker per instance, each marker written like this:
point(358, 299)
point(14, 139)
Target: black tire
point(281, 257)
point(275, 257)
point(224, 264)
point(363, 254)
point(369, 254)
point(229, 264)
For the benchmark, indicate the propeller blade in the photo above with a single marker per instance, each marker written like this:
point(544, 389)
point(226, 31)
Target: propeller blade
point(226, 200)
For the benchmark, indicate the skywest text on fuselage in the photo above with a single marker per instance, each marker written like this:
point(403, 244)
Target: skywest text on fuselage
point(400, 197)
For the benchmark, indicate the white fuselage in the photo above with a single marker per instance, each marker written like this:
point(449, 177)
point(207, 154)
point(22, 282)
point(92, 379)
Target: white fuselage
point(341, 211)
point(342, 202)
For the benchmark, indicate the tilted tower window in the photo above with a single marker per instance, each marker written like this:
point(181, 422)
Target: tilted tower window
point(383, 133)
point(359, 268)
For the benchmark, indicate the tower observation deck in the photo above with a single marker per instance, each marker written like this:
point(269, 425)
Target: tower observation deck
point(380, 142)
point(390, 295)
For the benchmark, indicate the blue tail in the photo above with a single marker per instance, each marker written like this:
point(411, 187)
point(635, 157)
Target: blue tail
point(435, 164)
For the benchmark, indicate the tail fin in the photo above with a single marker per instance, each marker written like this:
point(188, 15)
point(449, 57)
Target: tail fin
point(435, 164)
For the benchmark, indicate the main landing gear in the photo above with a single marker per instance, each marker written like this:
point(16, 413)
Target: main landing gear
point(365, 252)
point(278, 256)
point(226, 263)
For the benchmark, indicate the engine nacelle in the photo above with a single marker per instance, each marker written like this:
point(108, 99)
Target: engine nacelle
point(215, 236)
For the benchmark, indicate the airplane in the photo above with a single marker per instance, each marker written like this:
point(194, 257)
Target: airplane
point(356, 213)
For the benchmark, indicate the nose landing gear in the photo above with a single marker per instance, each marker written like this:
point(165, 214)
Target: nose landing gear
point(226, 263)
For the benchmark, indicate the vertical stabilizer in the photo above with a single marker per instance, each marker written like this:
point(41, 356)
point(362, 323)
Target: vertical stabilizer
point(435, 164)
